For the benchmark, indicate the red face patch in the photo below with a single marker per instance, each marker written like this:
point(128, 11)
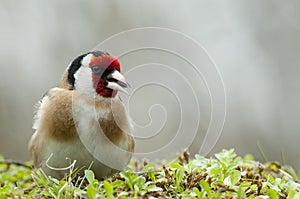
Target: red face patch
point(108, 63)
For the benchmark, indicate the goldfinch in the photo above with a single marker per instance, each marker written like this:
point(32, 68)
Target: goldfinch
point(84, 120)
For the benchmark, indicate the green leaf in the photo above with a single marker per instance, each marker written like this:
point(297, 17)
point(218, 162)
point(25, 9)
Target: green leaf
point(148, 167)
point(214, 170)
point(129, 177)
point(179, 174)
point(126, 176)
point(151, 174)
point(178, 177)
point(198, 193)
point(248, 157)
point(226, 155)
point(204, 185)
point(200, 161)
point(235, 177)
point(139, 181)
point(108, 188)
point(91, 192)
point(291, 195)
point(117, 183)
point(273, 194)
point(90, 176)
point(241, 192)
point(176, 165)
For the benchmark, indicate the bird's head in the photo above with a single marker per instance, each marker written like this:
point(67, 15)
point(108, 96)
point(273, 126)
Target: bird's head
point(96, 72)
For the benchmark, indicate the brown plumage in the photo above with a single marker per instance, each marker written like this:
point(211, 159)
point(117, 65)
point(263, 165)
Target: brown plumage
point(71, 118)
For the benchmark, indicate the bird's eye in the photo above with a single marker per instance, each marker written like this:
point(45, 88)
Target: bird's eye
point(97, 69)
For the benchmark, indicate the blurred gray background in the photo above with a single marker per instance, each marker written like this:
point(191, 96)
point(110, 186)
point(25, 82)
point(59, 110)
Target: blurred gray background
point(255, 45)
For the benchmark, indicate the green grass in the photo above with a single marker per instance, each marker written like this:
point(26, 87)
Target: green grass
point(225, 176)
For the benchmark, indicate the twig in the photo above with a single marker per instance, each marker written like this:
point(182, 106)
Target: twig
point(71, 166)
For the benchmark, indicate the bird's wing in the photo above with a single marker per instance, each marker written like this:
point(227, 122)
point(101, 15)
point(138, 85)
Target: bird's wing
point(57, 100)
point(37, 112)
point(38, 106)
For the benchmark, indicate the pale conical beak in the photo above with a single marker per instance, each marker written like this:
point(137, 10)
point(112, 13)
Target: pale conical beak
point(118, 82)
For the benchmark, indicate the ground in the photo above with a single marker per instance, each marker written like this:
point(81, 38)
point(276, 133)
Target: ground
point(224, 176)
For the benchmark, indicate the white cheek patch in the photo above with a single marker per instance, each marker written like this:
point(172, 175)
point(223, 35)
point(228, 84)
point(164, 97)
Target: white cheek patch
point(86, 60)
point(83, 81)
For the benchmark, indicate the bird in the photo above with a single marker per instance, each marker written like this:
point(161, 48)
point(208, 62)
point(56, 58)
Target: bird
point(82, 122)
